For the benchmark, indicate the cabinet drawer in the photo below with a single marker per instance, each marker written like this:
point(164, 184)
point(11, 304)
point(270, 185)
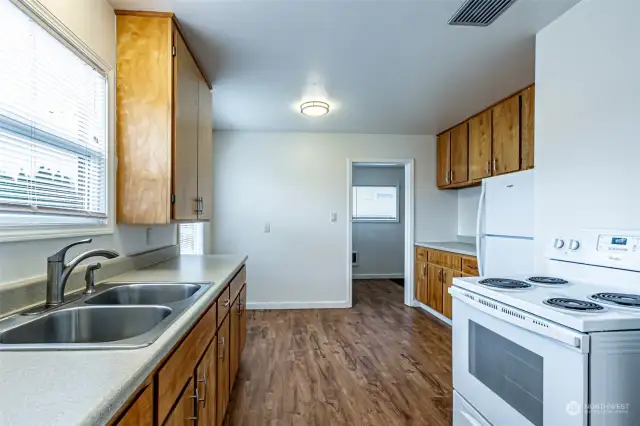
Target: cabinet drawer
point(470, 266)
point(224, 303)
point(444, 259)
point(421, 254)
point(179, 368)
point(236, 284)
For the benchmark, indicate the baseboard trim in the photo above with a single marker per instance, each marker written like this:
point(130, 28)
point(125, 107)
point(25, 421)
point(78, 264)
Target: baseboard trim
point(258, 306)
point(376, 276)
point(430, 311)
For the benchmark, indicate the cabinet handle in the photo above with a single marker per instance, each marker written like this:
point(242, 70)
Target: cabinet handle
point(495, 162)
point(425, 270)
point(204, 394)
point(240, 307)
point(472, 267)
point(446, 179)
point(226, 304)
point(451, 172)
point(197, 410)
point(441, 276)
point(221, 356)
point(488, 167)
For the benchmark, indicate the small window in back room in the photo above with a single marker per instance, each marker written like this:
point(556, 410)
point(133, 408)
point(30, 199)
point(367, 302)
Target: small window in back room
point(191, 238)
point(375, 203)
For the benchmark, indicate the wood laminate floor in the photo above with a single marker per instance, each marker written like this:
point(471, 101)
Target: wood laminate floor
point(379, 363)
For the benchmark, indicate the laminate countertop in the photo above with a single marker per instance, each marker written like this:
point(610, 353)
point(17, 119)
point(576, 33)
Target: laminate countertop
point(89, 387)
point(451, 246)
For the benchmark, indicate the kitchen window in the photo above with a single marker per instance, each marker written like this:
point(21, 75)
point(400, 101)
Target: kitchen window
point(191, 237)
point(53, 128)
point(375, 204)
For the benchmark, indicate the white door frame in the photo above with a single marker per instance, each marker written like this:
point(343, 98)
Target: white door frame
point(408, 165)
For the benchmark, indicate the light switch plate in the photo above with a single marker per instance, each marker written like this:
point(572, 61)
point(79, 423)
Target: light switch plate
point(334, 217)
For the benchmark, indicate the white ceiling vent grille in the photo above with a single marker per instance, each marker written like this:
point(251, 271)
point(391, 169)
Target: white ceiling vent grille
point(480, 13)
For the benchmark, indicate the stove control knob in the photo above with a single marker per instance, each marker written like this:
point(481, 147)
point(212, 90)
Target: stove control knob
point(574, 245)
point(558, 243)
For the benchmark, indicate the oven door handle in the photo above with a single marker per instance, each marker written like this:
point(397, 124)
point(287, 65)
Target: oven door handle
point(573, 339)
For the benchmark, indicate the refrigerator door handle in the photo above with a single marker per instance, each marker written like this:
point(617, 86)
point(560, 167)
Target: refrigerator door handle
point(479, 230)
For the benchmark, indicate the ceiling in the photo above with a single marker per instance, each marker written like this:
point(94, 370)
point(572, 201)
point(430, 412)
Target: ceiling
point(384, 66)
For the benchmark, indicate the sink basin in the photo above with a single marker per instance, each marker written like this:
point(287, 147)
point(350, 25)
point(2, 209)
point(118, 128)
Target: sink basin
point(96, 324)
point(144, 294)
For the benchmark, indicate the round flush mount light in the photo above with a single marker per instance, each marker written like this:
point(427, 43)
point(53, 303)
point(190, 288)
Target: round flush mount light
point(314, 108)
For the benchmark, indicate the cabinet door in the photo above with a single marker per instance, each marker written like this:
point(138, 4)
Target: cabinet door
point(207, 385)
point(506, 136)
point(447, 301)
point(526, 121)
point(184, 413)
point(480, 146)
point(140, 413)
point(434, 287)
point(243, 320)
point(460, 153)
point(421, 282)
point(205, 151)
point(234, 341)
point(185, 143)
point(444, 159)
point(223, 369)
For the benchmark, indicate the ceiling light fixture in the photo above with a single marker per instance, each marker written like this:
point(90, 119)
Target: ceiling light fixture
point(314, 108)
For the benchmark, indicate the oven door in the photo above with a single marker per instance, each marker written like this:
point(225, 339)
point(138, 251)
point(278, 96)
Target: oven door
point(534, 373)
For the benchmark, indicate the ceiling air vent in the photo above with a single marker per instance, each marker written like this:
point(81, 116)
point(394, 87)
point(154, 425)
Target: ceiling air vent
point(480, 13)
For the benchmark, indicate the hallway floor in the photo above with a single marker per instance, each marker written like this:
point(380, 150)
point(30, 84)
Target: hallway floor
point(379, 363)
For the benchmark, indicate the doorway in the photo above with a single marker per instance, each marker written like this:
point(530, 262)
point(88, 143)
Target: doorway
point(380, 222)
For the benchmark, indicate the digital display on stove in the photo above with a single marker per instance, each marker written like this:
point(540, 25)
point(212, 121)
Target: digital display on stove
point(619, 241)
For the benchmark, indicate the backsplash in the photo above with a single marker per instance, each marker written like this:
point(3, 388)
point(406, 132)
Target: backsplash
point(19, 295)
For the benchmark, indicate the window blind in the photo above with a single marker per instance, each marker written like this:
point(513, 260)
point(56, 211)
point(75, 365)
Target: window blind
point(53, 120)
point(191, 238)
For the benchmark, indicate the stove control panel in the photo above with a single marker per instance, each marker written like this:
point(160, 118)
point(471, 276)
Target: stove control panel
point(607, 248)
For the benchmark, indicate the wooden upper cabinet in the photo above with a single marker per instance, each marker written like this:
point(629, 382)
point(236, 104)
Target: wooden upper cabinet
point(460, 154)
point(506, 136)
point(162, 111)
point(527, 109)
point(143, 119)
point(205, 152)
point(480, 146)
point(185, 148)
point(444, 159)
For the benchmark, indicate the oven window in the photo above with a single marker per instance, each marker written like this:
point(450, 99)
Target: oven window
point(512, 372)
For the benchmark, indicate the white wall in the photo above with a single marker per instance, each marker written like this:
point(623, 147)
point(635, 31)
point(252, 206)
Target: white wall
point(294, 181)
point(468, 199)
point(94, 22)
point(380, 245)
point(587, 120)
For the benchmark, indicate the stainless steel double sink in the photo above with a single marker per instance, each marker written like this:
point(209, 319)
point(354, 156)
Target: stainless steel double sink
point(117, 316)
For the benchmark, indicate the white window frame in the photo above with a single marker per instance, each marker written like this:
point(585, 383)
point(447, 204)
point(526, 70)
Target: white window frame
point(377, 219)
point(70, 227)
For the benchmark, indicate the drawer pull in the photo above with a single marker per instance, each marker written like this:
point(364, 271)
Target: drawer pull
point(472, 267)
point(226, 304)
point(197, 410)
point(221, 356)
point(204, 394)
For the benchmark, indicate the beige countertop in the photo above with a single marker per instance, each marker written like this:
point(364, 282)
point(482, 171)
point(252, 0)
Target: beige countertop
point(88, 387)
point(451, 246)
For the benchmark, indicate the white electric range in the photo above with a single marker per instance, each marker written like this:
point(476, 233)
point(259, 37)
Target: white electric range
point(552, 350)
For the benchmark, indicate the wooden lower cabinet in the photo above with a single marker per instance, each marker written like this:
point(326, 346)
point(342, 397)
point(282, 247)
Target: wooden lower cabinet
point(421, 282)
point(223, 369)
point(185, 412)
point(433, 278)
point(243, 321)
point(193, 383)
point(234, 341)
point(207, 384)
point(447, 300)
point(140, 413)
point(434, 287)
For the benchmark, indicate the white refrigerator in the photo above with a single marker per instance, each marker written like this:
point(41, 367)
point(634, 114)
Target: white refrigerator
point(504, 235)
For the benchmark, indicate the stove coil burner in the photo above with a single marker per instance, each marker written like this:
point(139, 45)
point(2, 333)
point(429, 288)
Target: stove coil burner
point(618, 299)
point(504, 283)
point(574, 305)
point(548, 280)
